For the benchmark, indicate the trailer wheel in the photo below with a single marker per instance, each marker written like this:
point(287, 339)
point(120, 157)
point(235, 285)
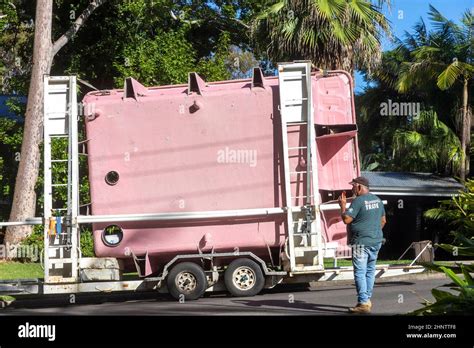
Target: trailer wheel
point(187, 279)
point(244, 277)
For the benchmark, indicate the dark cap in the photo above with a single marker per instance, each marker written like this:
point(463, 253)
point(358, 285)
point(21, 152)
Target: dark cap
point(361, 181)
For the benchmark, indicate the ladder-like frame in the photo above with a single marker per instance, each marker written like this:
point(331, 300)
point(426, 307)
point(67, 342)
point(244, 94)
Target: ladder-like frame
point(61, 251)
point(296, 109)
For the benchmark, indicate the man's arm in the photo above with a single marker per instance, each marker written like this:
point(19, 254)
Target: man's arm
point(342, 203)
point(346, 218)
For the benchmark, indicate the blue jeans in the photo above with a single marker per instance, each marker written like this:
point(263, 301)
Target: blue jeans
point(363, 260)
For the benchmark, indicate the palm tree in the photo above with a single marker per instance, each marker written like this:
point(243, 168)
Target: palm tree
point(427, 144)
point(445, 56)
point(376, 132)
point(334, 34)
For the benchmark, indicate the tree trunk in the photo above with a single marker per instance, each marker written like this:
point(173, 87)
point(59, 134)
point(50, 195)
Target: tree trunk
point(24, 199)
point(468, 119)
point(465, 133)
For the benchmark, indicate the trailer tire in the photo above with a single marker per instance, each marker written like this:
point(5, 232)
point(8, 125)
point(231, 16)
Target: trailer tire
point(186, 280)
point(244, 277)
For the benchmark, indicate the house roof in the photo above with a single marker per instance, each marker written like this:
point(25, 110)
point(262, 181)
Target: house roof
point(412, 184)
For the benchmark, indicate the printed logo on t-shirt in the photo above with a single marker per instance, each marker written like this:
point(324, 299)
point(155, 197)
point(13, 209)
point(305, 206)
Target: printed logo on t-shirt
point(369, 205)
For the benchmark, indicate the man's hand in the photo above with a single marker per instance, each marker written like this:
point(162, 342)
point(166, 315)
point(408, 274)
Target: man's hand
point(342, 201)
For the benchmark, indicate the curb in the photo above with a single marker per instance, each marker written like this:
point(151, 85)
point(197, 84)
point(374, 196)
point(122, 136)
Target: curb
point(428, 275)
point(420, 276)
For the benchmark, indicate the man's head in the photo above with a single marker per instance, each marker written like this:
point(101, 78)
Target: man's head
point(360, 186)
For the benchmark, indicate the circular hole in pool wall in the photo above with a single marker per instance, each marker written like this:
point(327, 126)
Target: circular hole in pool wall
point(112, 235)
point(112, 177)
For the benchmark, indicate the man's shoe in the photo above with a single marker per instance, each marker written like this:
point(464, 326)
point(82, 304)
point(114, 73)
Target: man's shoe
point(369, 304)
point(361, 308)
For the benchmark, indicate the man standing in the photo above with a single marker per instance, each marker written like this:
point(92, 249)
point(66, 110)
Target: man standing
point(366, 218)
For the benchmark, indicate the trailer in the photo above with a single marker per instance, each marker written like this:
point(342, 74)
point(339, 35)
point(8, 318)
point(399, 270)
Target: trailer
point(199, 187)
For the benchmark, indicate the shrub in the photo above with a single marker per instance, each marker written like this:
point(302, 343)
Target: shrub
point(36, 241)
point(458, 212)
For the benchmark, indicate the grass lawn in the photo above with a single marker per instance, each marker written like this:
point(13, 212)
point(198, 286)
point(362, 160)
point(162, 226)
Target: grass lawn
point(329, 263)
point(20, 270)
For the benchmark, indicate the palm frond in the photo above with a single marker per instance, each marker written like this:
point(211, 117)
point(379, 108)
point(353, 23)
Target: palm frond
point(275, 8)
point(447, 78)
point(441, 23)
point(429, 145)
point(329, 9)
point(333, 34)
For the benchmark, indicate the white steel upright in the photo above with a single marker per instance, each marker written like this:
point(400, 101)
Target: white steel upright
point(296, 109)
point(60, 122)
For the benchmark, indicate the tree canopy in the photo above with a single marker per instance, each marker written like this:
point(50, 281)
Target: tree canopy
point(430, 68)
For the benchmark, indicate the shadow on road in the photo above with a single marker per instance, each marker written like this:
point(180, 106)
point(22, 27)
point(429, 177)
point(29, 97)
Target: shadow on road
point(47, 301)
point(294, 305)
point(327, 286)
point(387, 284)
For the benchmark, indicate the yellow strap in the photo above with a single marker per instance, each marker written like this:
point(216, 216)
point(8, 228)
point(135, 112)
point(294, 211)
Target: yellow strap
point(52, 226)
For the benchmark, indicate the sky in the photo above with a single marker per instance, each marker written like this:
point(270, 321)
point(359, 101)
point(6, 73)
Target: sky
point(404, 14)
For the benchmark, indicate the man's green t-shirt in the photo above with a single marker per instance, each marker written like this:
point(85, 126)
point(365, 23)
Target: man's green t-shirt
point(367, 211)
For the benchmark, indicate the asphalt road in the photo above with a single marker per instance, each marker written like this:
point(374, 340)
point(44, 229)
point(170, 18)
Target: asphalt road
point(394, 297)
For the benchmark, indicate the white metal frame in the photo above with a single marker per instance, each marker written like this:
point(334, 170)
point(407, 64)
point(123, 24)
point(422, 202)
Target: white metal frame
point(60, 121)
point(427, 246)
point(296, 107)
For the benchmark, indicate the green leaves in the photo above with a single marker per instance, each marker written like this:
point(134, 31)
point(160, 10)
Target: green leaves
point(361, 10)
point(467, 276)
point(11, 132)
point(275, 8)
point(449, 303)
point(329, 9)
point(410, 73)
point(449, 75)
point(427, 144)
point(370, 162)
point(458, 212)
point(177, 40)
point(332, 33)
point(440, 56)
point(441, 295)
point(458, 281)
point(217, 67)
point(165, 59)
point(457, 250)
point(87, 244)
